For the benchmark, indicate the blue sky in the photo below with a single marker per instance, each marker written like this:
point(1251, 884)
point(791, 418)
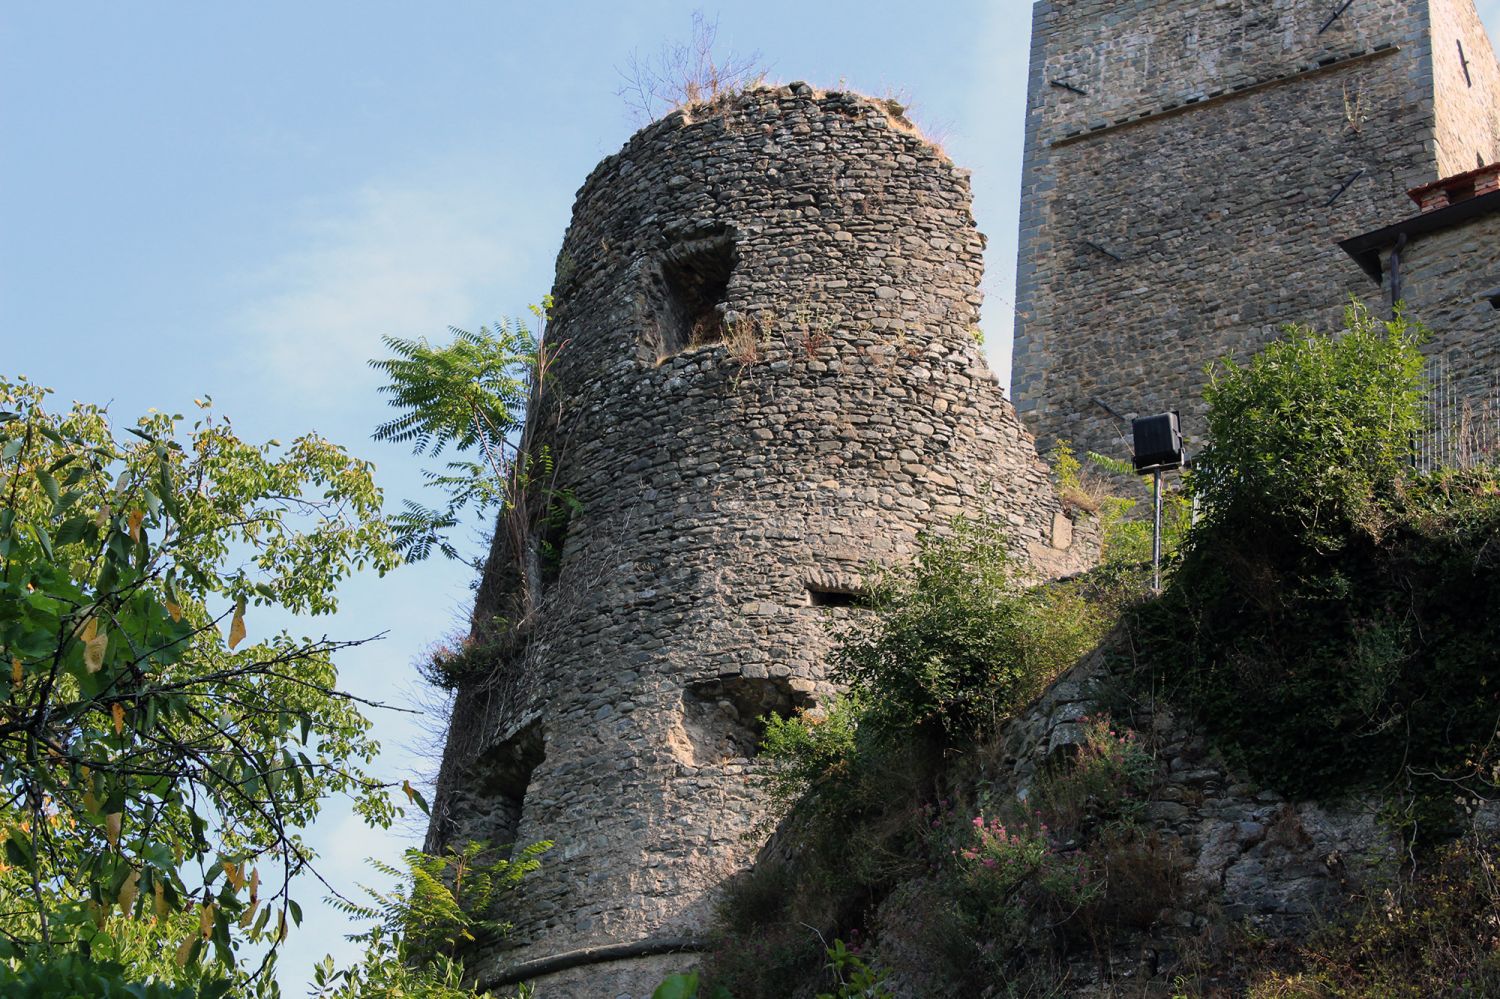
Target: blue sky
point(239, 200)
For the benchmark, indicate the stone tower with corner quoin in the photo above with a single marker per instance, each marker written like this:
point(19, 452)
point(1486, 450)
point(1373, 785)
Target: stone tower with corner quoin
point(768, 380)
point(1191, 166)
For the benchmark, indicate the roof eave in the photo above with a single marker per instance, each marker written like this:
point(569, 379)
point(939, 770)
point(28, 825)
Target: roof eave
point(1366, 249)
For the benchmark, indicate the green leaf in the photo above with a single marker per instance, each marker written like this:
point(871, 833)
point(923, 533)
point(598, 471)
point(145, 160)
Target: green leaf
point(76, 529)
point(683, 986)
point(48, 484)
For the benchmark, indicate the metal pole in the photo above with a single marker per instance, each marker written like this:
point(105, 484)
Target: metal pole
point(1156, 535)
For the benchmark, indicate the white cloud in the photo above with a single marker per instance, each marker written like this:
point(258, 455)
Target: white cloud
point(392, 259)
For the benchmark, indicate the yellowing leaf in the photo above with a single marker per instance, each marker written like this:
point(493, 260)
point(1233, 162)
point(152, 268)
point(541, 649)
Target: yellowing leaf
point(90, 803)
point(128, 892)
point(159, 897)
point(237, 626)
point(249, 915)
point(255, 886)
point(112, 827)
point(136, 516)
point(186, 949)
point(232, 872)
point(411, 792)
point(101, 518)
point(90, 629)
point(174, 610)
point(281, 926)
point(93, 652)
point(15, 669)
point(117, 711)
point(206, 921)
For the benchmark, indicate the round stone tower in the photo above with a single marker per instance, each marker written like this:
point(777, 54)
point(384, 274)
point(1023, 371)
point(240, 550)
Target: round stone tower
point(768, 378)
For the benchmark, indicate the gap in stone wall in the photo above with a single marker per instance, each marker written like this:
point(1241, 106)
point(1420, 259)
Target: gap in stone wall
point(722, 718)
point(819, 595)
point(500, 778)
point(688, 291)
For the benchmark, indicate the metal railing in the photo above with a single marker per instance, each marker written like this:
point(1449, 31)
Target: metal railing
point(1463, 428)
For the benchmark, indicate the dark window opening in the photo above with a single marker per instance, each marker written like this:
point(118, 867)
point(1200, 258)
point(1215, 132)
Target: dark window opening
point(725, 719)
point(689, 292)
point(834, 596)
point(500, 779)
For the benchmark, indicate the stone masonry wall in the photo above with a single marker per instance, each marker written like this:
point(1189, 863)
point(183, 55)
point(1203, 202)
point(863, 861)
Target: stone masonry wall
point(1190, 166)
point(1443, 274)
point(767, 382)
point(1468, 88)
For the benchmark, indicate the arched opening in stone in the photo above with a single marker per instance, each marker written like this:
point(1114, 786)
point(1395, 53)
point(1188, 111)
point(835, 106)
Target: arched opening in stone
point(500, 778)
point(688, 292)
point(724, 719)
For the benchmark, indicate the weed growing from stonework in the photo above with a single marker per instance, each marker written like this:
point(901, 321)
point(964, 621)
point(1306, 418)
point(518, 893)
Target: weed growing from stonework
point(1108, 490)
point(1105, 780)
point(1009, 878)
point(687, 74)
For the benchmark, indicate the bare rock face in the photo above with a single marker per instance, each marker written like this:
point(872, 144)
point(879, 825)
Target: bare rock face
point(768, 380)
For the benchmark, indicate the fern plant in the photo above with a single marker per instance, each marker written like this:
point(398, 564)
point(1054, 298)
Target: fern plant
point(442, 902)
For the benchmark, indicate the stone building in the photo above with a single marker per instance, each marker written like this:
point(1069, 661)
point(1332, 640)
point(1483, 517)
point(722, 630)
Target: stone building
point(1192, 164)
point(1443, 266)
point(767, 380)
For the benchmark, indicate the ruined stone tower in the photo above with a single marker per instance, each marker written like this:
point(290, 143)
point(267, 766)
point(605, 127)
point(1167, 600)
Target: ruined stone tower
point(768, 379)
point(1190, 168)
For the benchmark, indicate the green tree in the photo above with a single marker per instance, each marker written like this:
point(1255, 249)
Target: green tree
point(155, 765)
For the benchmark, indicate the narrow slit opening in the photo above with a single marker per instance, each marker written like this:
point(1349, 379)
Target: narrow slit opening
point(834, 596)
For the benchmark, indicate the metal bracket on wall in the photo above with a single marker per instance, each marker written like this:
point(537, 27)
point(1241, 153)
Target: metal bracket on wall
point(1464, 59)
point(1340, 192)
point(1108, 253)
point(1108, 409)
point(1063, 85)
point(1336, 15)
